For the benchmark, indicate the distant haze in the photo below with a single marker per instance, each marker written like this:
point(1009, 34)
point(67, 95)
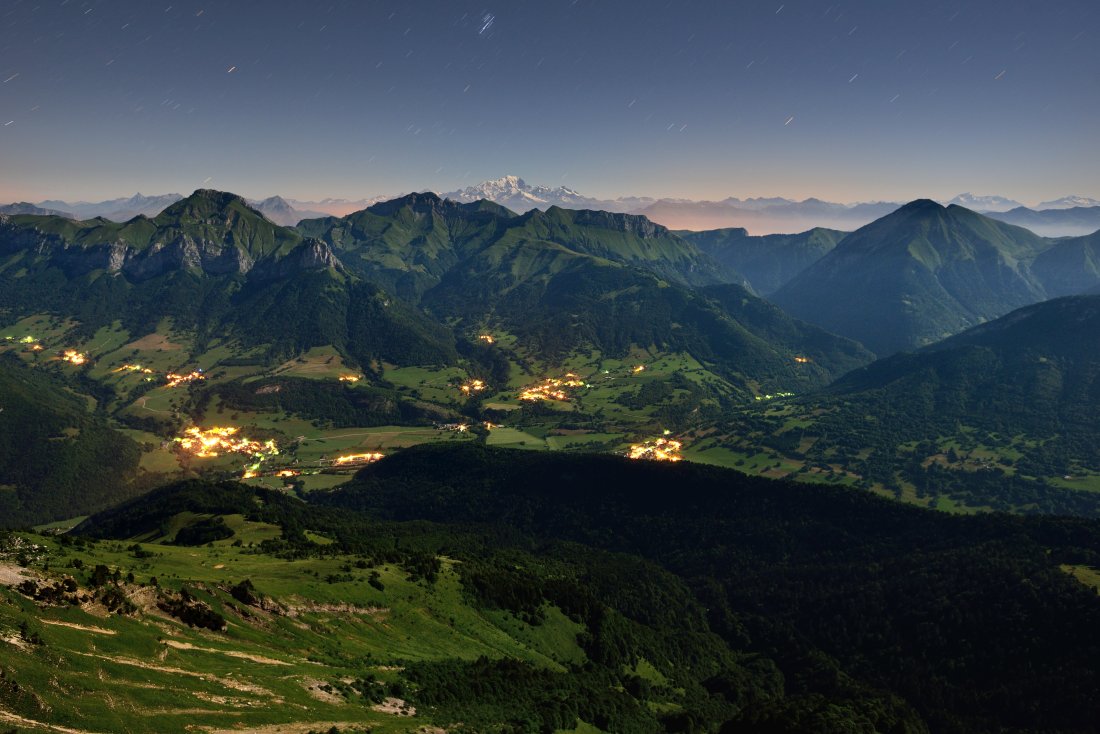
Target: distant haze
point(859, 101)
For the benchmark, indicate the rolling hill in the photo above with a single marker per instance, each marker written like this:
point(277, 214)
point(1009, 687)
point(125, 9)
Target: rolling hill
point(1001, 416)
point(1027, 372)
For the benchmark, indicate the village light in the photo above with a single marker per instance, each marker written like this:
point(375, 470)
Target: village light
point(661, 449)
point(175, 380)
point(74, 357)
point(352, 459)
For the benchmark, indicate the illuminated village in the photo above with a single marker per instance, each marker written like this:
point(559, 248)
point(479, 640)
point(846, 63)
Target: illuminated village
point(74, 357)
point(774, 396)
point(350, 378)
point(660, 449)
point(212, 442)
point(471, 387)
point(487, 338)
point(175, 380)
point(357, 459)
point(134, 368)
point(552, 388)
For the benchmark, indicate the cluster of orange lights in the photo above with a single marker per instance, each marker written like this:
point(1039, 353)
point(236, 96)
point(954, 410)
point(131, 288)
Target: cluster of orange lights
point(487, 338)
point(175, 380)
point(206, 444)
point(552, 388)
point(74, 357)
point(30, 342)
point(802, 360)
point(353, 459)
point(134, 368)
point(638, 368)
point(472, 386)
point(660, 449)
point(350, 378)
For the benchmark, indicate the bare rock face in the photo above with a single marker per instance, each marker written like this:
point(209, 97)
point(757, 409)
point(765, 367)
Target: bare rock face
point(317, 255)
point(630, 223)
point(207, 256)
point(310, 255)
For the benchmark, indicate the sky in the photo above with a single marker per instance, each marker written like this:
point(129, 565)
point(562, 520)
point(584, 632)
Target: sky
point(703, 99)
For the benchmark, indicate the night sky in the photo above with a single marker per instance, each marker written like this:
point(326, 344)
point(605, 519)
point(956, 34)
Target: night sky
point(865, 100)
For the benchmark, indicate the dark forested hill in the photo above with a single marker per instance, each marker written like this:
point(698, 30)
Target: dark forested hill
point(968, 620)
point(56, 460)
point(1000, 416)
point(1035, 371)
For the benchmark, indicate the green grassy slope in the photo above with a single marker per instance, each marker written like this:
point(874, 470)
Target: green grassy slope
point(916, 276)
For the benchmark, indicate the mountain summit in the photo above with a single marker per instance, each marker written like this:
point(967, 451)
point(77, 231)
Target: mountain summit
point(919, 274)
point(516, 194)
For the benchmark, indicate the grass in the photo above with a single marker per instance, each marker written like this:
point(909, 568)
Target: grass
point(147, 672)
point(1085, 574)
point(319, 363)
point(505, 436)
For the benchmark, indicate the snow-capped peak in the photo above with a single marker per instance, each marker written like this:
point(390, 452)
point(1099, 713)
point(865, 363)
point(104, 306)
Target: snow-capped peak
point(514, 193)
point(1068, 202)
point(984, 203)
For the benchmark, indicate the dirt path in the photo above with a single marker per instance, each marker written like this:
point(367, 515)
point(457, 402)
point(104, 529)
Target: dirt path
point(143, 406)
point(230, 653)
point(18, 720)
point(293, 727)
point(235, 685)
point(75, 626)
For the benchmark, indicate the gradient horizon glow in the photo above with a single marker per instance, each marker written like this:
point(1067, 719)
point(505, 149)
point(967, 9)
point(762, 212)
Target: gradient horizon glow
point(851, 101)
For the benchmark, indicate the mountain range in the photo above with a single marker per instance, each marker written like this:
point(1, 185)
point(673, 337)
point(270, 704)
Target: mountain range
point(22, 207)
point(196, 380)
point(536, 274)
point(1067, 216)
point(478, 263)
point(1060, 222)
point(118, 210)
point(419, 293)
